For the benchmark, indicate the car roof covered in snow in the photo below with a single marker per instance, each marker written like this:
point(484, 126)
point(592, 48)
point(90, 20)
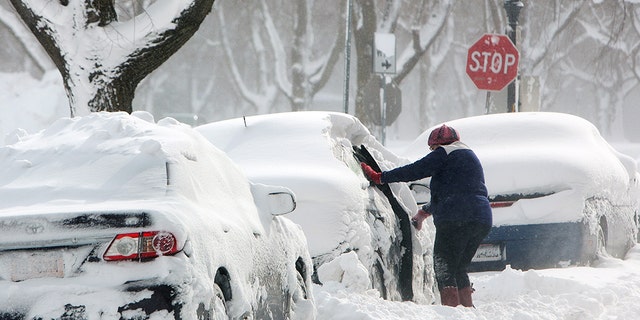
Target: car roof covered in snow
point(129, 161)
point(311, 153)
point(533, 151)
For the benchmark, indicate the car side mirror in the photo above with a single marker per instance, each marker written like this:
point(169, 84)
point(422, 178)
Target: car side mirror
point(281, 203)
point(421, 193)
point(275, 200)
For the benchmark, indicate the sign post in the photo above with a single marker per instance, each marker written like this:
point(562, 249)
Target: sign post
point(513, 8)
point(347, 59)
point(384, 62)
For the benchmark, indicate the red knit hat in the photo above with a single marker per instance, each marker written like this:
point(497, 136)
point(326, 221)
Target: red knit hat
point(443, 135)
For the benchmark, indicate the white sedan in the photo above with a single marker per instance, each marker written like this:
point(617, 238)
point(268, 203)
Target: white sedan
point(113, 216)
point(561, 195)
point(317, 155)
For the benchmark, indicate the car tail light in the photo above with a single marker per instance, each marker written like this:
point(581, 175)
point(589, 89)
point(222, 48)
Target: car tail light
point(141, 245)
point(507, 200)
point(501, 204)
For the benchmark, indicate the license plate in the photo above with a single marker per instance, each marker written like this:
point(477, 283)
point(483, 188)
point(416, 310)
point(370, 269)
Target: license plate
point(488, 252)
point(37, 265)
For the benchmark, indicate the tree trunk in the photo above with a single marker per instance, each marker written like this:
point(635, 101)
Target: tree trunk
point(364, 30)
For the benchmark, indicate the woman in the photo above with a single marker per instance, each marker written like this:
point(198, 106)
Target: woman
point(459, 205)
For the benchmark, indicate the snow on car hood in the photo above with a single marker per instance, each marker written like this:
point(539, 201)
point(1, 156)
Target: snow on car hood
point(542, 152)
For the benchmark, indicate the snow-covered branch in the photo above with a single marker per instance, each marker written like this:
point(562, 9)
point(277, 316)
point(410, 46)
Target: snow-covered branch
point(101, 59)
point(261, 98)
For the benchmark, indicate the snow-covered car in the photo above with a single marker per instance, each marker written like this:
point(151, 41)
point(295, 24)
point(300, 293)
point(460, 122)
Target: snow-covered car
point(313, 154)
point(560, 194)
point(114, 216)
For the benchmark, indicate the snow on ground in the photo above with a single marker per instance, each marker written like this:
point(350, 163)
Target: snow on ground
point(608, 290)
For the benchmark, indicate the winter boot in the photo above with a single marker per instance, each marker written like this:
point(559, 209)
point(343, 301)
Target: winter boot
point(449, 297)
point(416, 221)
point(465, 296)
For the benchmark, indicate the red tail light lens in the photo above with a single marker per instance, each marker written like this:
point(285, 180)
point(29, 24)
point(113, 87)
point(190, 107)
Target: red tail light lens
point(141, 245)
point(501, 204)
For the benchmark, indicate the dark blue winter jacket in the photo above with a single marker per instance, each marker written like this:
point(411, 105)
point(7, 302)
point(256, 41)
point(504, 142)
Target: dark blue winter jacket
point(458, 191)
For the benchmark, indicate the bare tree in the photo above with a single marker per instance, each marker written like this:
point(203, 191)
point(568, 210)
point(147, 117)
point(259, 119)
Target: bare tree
point(308, 75)
point(102, 60)
point(610, 27)
point(286, 63)
point(583, 53)
point(547, 24)
point(262, 94)
point(424, 21)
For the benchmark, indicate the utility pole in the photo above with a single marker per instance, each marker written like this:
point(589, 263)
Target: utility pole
point(347, 58)
point(513, 8)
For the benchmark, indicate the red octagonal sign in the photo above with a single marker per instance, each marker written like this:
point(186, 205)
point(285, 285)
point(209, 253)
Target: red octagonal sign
point(492, 62)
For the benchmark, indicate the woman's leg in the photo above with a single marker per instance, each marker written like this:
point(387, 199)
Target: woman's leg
point(446, 254)
point(447, 249)
point(477, 232)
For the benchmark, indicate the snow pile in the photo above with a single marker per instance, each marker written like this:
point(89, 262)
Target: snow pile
point(74, 159)
point(609, 290)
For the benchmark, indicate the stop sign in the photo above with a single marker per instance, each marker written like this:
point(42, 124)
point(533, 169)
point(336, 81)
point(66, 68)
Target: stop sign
point(492, 62)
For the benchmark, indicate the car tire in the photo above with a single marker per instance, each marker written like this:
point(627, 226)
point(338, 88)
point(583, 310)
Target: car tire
point(601, 240)
point(636, 218)
point(377, 276)
point(601, 246)
point(217, 309)
point(301, 289)
point(295, 296)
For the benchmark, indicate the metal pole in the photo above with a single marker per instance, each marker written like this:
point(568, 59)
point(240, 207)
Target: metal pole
point(513, 8)
point(383, 109)
point(487, 101)
point(347, 58)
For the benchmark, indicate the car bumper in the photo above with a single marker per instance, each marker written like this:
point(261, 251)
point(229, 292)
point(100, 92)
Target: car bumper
point(534, 246)
point(127, 290)
point(133, 301)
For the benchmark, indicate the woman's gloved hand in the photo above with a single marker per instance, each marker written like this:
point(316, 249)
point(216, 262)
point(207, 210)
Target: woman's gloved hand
point(373, 175)
point(417, 220)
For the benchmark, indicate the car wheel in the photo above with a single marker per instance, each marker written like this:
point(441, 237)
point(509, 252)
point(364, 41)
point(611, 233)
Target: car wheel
point(300, 293)
point(637, 220)
point(601, 239)
point(601, 242)
point(377, 276)
point(296, 298)
point(217, 309)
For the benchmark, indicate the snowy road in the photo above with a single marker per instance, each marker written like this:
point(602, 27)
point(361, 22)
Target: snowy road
point(610, 290)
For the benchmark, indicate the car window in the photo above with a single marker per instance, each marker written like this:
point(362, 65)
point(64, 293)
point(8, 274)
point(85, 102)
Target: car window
point(344, 153)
